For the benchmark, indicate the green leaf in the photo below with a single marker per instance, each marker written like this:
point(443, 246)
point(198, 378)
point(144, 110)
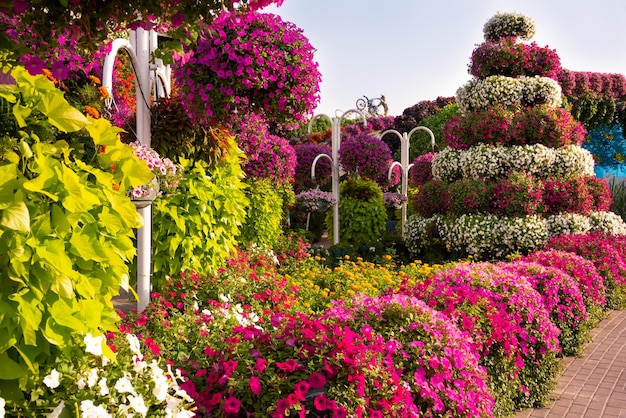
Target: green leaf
point(63, 315)
point(79, 198)
point(52, 252)
point(83, 246)
point(10, 370)
point(21, 113)
point(91, 313)
point(61, 114)
point(8, 182)
point(16, 216)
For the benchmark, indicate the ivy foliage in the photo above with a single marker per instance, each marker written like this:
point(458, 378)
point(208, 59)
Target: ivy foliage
point(66, 227)
point(197, 226)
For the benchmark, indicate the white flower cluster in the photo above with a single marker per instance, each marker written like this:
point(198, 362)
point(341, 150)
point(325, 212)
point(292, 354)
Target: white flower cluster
point(140, 386)
point(487, 162)
point(573, 159)
point(480, 94)
point(608, 222)
point(509, 24)
point(495, 236)
point(446, 165)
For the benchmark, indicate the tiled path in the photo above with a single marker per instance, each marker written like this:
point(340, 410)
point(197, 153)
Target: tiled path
point(593, 385)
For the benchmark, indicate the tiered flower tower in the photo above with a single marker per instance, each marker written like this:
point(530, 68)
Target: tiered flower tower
point(513, 173)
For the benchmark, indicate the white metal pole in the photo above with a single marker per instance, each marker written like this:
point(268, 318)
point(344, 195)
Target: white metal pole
point(140, 40)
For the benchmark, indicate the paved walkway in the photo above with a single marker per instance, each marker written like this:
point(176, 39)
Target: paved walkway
point(593, 385)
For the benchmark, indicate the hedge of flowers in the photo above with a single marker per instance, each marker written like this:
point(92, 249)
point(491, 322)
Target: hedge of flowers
point(515, 194)
point(305, 154)
point(488, 162)
point(582, 83)
point(500, 90)
point(513, 334)
point(526, 126)
point(246, 61)
point(508, 57)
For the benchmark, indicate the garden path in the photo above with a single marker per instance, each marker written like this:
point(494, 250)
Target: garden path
point(593, 385)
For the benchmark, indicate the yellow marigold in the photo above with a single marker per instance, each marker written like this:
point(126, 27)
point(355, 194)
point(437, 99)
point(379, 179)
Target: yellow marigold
point(92, 112)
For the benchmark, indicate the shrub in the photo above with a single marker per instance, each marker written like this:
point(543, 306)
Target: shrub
point(590, 282)
point(513, 335)
point(200, 222)
point(426, 351)
point(264, 215)
point(562, 299)
point(66, 228)
point(421, 141)
point(599, 248)
point(431, 198)
point(421, 172)
point(362, 212)
point(517, 194)
point(618, 193)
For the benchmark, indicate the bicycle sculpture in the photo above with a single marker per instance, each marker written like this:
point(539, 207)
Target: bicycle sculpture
point(375, 107)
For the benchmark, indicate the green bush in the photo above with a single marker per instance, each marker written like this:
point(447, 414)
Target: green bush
point(264, 218)
point(197, 226)
point(362, 212)
point(618, 192)
point(421, 142)
point(66, 229)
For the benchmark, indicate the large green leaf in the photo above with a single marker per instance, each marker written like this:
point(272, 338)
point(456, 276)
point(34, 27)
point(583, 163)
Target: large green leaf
point(79, 198)
point(53, 253)
point(85, 246)
point(61, 114)
point(16, 216)
point(8, 182)
point(10, 370)
point(63, 314)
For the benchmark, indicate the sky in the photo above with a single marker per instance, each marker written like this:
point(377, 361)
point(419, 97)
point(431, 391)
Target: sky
point(414, 50)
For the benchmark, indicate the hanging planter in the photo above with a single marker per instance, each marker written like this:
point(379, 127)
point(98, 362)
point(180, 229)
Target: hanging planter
point(147, 194)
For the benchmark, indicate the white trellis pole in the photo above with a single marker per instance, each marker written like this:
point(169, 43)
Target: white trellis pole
point(404, 163)
point(139, 48)
point(335, 124)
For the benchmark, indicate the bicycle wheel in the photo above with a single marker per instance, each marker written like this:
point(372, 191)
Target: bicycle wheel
point(361, 104)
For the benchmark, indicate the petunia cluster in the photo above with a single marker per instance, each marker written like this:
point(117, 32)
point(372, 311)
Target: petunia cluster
point(166, 172)
point(249, 62)
point(504, 25)
point(582, 83)
point(315, 200)
point(306, 153)
point(369, 157)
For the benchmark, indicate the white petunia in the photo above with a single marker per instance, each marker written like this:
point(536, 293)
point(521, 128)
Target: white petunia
point(138, 404)
point(89, 410)
point(92, 377)
point(56, 413)
point(124, 384)
point(104, 389)
point(94, 344)
point(52, 380)
point(133, 342)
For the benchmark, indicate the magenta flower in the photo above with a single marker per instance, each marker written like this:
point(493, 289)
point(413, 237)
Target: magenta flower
point(317, 380)
point(232, 405)
point(255, 385)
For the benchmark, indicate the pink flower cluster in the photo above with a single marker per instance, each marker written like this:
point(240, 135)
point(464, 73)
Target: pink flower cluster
point(511, 58)
point(518, 194)
point(305, 154)
point(250, 62)
point(498, 126)
point(511, 327)
point(607, 253)
point(421, 172)
point(585, 83)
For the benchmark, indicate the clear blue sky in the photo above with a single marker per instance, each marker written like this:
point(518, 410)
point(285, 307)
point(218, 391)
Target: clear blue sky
point(412, 50)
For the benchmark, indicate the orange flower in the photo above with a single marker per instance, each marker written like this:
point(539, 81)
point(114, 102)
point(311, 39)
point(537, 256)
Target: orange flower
point(92, 112)
point(116, 186)
point(94, 79)
point(113, 167)
point(49, 75)
point(102, 149)
point(104, 92)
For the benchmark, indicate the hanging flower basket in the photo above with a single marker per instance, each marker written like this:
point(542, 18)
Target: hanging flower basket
point(146, 194)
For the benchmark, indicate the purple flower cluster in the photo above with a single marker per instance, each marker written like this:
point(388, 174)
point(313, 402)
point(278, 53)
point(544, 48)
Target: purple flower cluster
point(246, 61)
point(375, 124)
point(509, 57)
point(305, 154)
point(267, 156)
point(421, 172)
point(369, 157)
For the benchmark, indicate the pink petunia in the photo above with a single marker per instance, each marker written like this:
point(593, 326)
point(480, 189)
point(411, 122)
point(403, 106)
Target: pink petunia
point(232, 405)
point(255, 385)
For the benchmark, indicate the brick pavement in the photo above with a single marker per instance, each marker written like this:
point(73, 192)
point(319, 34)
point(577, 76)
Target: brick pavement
point(593, 385)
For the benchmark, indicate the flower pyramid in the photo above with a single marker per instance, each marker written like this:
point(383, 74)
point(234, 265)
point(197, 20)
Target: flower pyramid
point(513, 172)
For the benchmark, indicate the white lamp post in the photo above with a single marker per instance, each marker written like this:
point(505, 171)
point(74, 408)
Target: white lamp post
point(139, 48)
point(335, 124)
point(404, 162)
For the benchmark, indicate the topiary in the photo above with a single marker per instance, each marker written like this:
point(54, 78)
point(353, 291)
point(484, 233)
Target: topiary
point(362, 212)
